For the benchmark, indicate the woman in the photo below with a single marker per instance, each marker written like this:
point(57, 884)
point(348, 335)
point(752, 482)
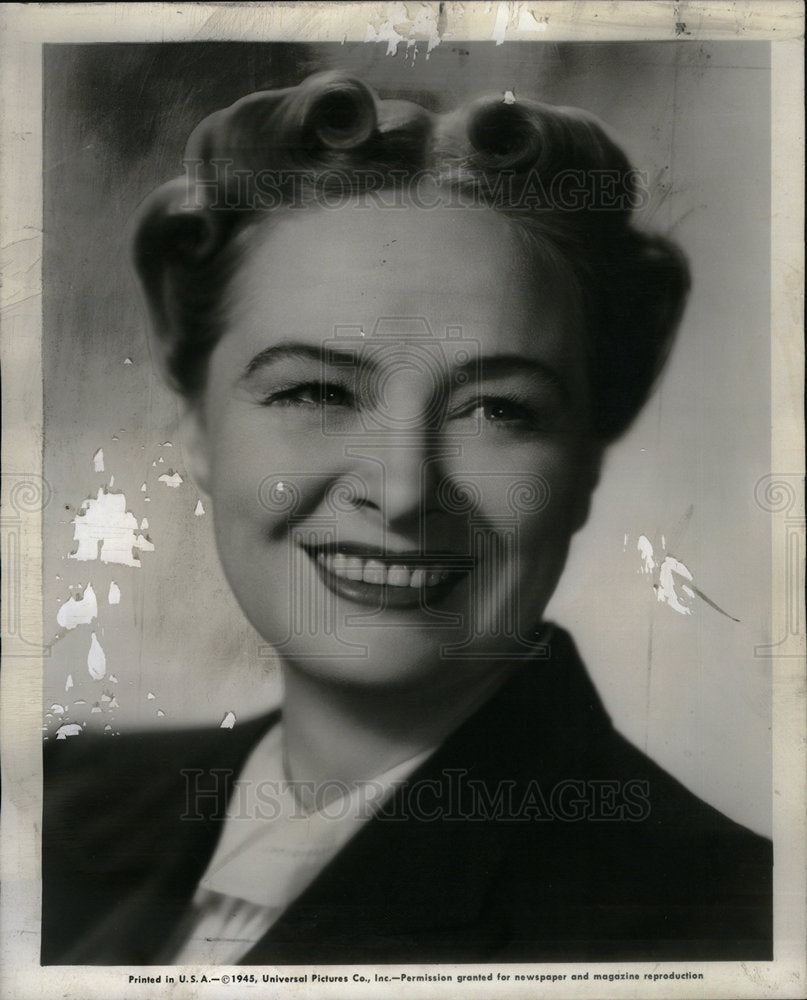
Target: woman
point(404, 342)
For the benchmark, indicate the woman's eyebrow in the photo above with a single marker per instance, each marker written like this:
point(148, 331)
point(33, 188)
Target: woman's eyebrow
point(323, 356)
point(485, 367)
point(504, 365)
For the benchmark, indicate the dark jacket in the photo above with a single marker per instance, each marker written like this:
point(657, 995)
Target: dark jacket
point(536, 833)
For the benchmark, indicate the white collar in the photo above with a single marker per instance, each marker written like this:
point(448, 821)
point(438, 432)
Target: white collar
point(270, 849)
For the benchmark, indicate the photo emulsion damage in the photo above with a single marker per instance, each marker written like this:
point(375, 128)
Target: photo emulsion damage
point(405, 574)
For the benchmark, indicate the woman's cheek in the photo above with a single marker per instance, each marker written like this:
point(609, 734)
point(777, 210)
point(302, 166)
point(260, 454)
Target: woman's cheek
point(245, 453)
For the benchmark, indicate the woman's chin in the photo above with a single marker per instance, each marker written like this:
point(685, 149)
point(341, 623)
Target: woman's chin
point(365, 636)
point(399, 659)
point(381, 662)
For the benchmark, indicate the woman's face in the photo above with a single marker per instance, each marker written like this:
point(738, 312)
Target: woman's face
point(395, 440)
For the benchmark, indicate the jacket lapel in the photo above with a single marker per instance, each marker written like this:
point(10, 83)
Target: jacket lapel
point(147, 861)
point(416, 882)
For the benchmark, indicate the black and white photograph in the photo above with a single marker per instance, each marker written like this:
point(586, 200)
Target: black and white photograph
point(404, 461)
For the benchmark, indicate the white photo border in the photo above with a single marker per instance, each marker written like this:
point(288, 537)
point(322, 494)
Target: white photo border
point(25, 28)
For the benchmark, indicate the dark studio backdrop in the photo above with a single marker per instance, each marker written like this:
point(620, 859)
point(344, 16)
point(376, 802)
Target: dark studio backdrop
point(167, 645)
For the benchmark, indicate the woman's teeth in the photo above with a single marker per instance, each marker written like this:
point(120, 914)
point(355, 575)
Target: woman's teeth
point(379, 573)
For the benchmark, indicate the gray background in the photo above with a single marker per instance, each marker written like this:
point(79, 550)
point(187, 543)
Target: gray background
point(688, 689)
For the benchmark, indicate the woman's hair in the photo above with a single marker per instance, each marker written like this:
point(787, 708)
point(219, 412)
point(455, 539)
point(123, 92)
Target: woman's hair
point(566, 187)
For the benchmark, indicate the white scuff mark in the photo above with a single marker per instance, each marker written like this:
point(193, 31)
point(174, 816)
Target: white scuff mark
point(517, 16)
point(76, 611)
point(625, 542)
point(96, 709)
point(646, 550)
point(79, 701)
point(397, 17)
point(144, 524)
point(509, 97)
point(69, 729)
point(58, 709)
point(160, 713)
point(425, 23)
point(669, 574)
point(146, 499)
point(113, 597)
point(666, 584)
point(115, 437)
point(107, 728)
point(228, 721)
point(400, 27)
point(105, 523)
point(127, 361)
point(113, 679)
point(106, 697)
point(69, 682)
point(114, 703)
point(199, 509)
point(143, 488)
point(98, 460)
point(96, 659)
point(173, 480)
point(500, 25)
point(664, 543)
point(167, 444)
point(151, 696)
point(160, 461)
point(527, 20)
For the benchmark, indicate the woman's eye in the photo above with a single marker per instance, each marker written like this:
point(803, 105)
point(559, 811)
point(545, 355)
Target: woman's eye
point(507, 412)
point(310, 394)
point(333, 395)
point(501, 412)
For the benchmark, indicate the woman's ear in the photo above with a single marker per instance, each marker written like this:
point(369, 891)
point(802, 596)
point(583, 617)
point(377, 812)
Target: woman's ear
point(196, 445)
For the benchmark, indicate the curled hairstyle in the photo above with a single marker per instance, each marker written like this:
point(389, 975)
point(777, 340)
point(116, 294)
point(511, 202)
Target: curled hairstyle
point(566, 187)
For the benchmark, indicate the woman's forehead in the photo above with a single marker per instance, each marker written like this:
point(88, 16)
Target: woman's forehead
point(354, 266)
point(357, 237)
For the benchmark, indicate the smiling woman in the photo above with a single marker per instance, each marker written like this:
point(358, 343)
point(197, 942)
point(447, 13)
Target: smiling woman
point(391, 419)
point(403, 343)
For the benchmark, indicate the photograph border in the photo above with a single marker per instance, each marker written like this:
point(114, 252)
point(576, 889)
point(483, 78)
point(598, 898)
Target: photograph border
point(23, 31)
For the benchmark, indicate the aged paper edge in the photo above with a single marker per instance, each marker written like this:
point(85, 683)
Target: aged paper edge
point(24, 30)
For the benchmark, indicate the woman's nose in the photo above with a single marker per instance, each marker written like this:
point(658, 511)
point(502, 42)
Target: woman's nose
point(400, 476)
point(400, 446)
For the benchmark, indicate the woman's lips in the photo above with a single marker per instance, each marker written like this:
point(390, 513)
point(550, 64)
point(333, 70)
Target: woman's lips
point(391, 580)
point(394, 574)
